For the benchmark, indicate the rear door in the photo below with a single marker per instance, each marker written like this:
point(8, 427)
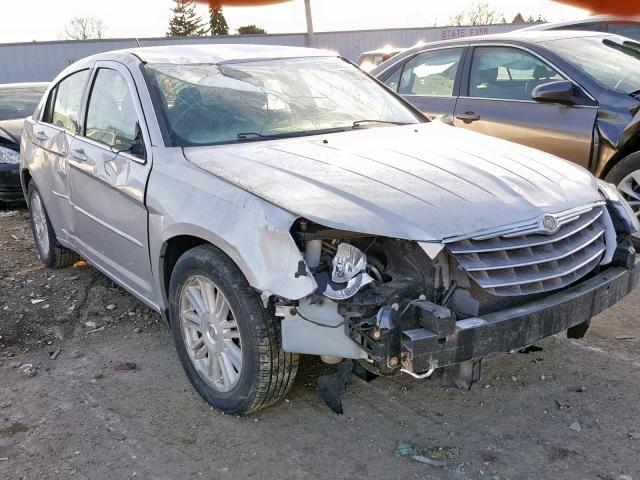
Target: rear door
point(52, 136)
point(109, 167)
point(496, 100)
point(430, 81)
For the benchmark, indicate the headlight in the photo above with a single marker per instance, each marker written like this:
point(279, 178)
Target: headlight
point(9, 156)
point(622, 215)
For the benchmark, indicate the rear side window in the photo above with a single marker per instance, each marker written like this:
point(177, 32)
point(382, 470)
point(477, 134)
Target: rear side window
point(431, 74)
point(111, 116)
point(68, 101)
point(592, 27)
point(47, 115)
point(507, 73)
point(629, 30)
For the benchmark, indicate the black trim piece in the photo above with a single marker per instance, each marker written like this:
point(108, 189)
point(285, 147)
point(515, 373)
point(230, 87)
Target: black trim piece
point(514, 328)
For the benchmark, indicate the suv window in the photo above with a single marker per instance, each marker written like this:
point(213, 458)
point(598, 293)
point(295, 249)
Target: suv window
point(626, 29)
point(68, 100)
point(431, 74)
point(111, 116)
point(507, 73)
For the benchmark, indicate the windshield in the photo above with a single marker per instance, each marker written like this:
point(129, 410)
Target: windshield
point(19, 102)
point(607, 61)
point(206, 104)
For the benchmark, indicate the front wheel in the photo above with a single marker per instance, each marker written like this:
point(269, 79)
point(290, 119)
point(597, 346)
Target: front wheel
point(229, 345)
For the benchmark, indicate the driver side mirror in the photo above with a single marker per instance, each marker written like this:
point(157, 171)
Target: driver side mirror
point(560, 91)
point(137, 147)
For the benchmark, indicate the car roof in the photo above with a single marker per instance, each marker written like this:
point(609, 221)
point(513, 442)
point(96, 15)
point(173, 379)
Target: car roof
point(217, 53)
point(26, 85)
point(385, 50)
point(534, 36)
point(583, 21)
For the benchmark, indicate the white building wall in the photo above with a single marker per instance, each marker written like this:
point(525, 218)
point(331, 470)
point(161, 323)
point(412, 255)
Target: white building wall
point(42, 61)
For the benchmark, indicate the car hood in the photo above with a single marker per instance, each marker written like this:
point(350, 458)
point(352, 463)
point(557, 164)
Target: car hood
point(12, 130)
point(420, 182)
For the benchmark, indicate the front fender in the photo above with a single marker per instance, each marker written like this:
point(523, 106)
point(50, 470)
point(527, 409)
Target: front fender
point(184, 200)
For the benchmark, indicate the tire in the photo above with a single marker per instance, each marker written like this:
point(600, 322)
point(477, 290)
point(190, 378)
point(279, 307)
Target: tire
point(203, 336)
point(628, 184)
point(52, 254)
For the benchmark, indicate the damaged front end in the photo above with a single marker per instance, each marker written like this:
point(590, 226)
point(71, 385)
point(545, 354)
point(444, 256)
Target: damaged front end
point(398, 305)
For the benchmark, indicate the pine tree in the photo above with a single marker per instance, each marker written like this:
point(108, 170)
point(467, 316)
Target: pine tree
point(518, 18)
point(251, 30)
point(217, 21)
point(185, 21)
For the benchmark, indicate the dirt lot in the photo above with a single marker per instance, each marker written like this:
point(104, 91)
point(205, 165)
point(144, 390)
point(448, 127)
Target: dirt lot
point(571, 411)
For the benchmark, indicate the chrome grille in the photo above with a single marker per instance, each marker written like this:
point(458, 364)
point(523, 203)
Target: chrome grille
point(530, 261)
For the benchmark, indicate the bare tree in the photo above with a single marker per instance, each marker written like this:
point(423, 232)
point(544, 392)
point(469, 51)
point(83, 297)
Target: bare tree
point(480, 13)
point(83, 28)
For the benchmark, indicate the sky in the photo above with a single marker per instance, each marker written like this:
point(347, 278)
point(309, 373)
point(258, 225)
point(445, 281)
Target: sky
point(149, 18)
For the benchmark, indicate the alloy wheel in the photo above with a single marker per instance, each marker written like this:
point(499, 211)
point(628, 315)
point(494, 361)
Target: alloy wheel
point(210, 332)
point(629, 187)
point(40, 223)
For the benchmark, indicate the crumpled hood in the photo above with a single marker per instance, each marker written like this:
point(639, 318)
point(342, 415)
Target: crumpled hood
point(420, 182)
point(12, 130)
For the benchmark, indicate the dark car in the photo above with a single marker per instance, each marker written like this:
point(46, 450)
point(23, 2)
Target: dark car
point(17, 101)
point(573, 94)
point(625, 26)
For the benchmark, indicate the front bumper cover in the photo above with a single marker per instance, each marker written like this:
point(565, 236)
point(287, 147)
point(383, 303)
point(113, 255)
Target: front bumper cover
point(515, 328)
point(10, 187)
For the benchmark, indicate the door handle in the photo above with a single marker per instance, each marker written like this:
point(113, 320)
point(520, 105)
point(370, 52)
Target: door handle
point(468, 117)
point(41, 135)
point(78, 154)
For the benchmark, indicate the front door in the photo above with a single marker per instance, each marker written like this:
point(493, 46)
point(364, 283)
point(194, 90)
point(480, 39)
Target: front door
point(497, 101)
point(109, 168)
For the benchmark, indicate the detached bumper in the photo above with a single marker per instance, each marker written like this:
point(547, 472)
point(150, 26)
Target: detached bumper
point(515, 328)
point(10, 187)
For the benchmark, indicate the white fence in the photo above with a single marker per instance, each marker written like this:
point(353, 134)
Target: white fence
point(42, 61)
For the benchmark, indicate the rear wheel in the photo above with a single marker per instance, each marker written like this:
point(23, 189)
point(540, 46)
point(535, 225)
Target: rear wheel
point(51, 252)
point(229, 345)
point(625, 175)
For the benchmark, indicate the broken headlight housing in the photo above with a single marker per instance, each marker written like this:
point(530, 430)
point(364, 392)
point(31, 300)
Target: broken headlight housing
point(8, 155)
point(348, 273)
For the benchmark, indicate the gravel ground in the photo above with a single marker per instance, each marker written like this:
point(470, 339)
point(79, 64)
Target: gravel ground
point(570, 411)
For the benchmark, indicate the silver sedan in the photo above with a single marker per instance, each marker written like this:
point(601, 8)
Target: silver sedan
point(273, 201)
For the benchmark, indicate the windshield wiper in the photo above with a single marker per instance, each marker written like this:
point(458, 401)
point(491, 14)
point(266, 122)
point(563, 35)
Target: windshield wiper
point(252, 135)
point(301, 133)
point(624, 48)
point(359, 123)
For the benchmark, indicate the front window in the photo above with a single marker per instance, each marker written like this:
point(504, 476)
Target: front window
point(507, 73)
point(111, 116)
point(19, 102)
point(608, 61)
point(206, 104)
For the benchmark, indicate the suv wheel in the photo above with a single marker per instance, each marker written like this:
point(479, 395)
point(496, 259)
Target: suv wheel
point(229, 345)
point(51, 252)
point(625, 175)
